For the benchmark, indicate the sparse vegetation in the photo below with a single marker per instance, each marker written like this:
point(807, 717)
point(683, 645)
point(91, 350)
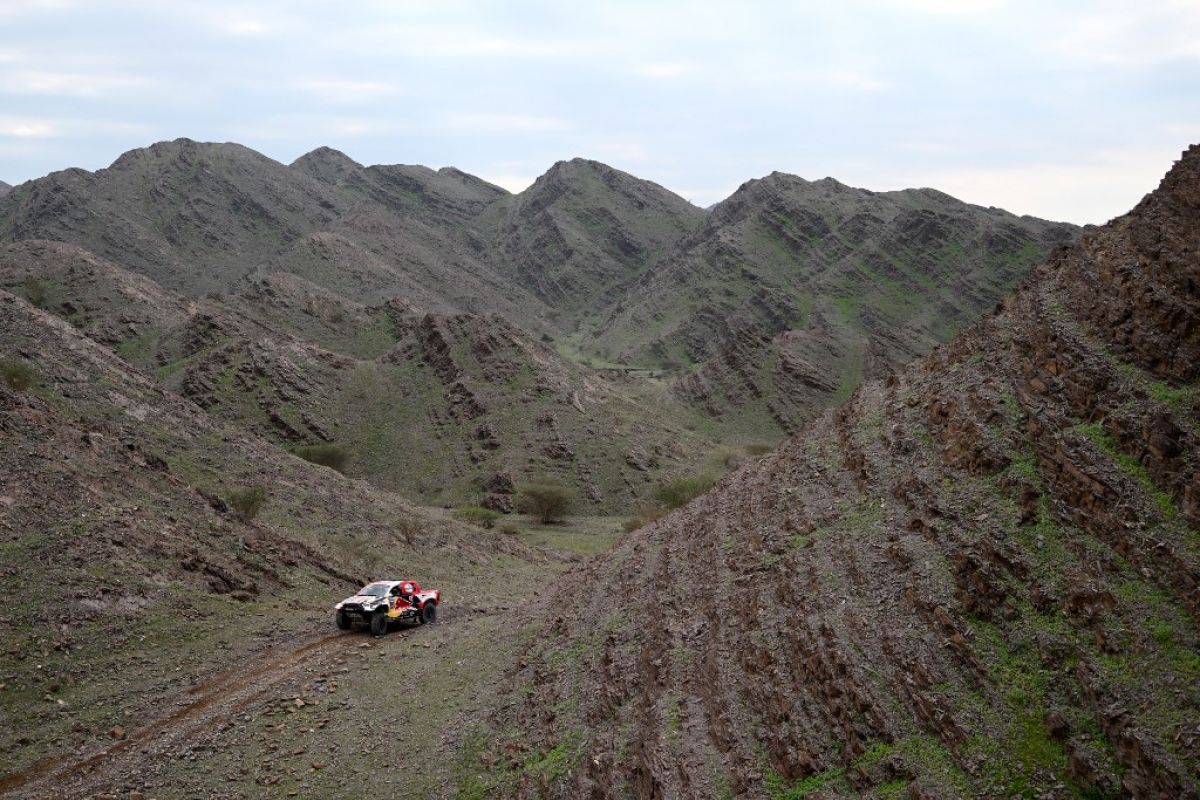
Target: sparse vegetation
point(1130, 466)
point(644, 513)
point(247, 501)
point(333, 456)
point(478, 515)
point(546, 500)
point(35, 291)
point(17, 374)
point(679, 492)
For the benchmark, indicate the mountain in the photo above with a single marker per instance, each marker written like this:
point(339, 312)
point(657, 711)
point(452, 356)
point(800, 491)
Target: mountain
point(132, 571)
point(4, 188)
point(583, 232)
point(793, 290)
point(330, 302)
point(439, 406)
point(977, 578)
point(199, 218)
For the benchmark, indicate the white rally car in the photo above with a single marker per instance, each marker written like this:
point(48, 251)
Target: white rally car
point(379, 603)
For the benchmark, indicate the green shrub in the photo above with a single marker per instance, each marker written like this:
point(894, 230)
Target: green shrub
point(17, 374)
point(546, 500)
point(645, 512)
point(34, 291)
point(1163, 633)
point(333, 456)
point(478, 515)
point(509, 530)
point(679, 492)
point(247, 501)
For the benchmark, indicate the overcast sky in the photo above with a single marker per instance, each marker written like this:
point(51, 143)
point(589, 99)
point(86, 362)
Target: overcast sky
point(1067, 110)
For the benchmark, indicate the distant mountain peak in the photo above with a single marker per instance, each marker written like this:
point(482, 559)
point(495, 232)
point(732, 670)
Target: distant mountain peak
point(326, 164)
point(4, 188)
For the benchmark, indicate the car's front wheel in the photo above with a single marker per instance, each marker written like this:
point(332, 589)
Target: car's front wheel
point(428, 614)
point(343, 622)
point(379, 623)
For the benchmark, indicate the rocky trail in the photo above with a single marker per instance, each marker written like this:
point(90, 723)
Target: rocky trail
point(298, 685)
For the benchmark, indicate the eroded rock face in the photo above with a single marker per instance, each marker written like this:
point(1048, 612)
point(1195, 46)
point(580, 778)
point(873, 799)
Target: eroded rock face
point(978, 577)
point(793, 291)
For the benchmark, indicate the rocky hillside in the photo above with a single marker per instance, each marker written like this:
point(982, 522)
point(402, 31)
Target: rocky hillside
point(793, 290)
point(198, 218)
point(4, 188)
point(299, 301)
point(449, 408)
point(583, 233)
point(979, 577)
point(155, 563)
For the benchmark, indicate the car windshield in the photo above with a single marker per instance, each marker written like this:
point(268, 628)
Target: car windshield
point(374, 589)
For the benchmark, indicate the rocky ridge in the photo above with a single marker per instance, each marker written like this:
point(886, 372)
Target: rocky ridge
point(431, 404)
point(784, 297)
point(794, 290)
point(978, 577)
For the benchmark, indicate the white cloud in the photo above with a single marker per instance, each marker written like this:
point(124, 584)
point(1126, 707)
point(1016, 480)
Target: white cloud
point(851, 79)
point(40, 128)
point(350, 91)
point(246, 27)
point(666, 70)
point(1091, 189)
point(947, 7)
point(23, 7)
point(512, 182)
point(68, 84)
point(1153, 32)
point(505, 122)
point(28, 128)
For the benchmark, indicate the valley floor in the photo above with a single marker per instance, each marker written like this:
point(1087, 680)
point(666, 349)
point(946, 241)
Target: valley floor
point(314, 712)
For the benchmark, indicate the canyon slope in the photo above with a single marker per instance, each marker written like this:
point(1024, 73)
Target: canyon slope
point(137, 566)
point(980, 576)
point(750, 317)
point(793, 291)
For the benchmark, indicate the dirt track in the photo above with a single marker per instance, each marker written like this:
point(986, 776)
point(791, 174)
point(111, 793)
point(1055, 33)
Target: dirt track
point(200, 711)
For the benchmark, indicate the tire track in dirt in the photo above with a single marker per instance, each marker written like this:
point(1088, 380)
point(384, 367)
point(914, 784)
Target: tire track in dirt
point(213, 699)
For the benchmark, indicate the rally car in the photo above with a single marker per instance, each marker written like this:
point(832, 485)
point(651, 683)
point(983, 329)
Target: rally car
point(382, 602)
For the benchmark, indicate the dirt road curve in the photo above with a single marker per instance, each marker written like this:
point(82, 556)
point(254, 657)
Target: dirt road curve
point(201, 708)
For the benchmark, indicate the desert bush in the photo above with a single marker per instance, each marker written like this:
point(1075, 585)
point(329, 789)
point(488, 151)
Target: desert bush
point(644, 512)
point(509, 530)
point(408, 528)
point(729, 457)
point(247, 501)
point(547, 500)
point(758, 449)
point(34, 291)
point(679, 492)
point(17, 374)
point(477, 515)
point(333, 456)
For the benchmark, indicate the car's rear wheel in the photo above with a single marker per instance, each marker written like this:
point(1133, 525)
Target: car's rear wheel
point(343, 622)
point(428, 613)
point(379, 623)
